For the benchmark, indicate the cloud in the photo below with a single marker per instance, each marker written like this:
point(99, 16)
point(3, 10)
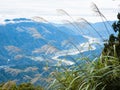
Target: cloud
point(47, 8)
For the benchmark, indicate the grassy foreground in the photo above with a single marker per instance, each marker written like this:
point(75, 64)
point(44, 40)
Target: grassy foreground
point(102, 73)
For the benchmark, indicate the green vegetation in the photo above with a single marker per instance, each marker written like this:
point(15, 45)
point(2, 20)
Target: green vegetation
point(102, 73)
point(11, 85)
point(112, 48)
point(93, 76)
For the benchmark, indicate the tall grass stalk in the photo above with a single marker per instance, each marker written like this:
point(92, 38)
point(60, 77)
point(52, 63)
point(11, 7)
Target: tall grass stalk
point(98, 12)
point(100, 74)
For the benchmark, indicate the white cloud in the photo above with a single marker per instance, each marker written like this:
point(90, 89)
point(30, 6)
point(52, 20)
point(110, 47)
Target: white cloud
point(47, 8)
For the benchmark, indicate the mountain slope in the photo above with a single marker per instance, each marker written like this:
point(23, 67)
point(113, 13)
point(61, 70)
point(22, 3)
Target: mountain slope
point(29, 48)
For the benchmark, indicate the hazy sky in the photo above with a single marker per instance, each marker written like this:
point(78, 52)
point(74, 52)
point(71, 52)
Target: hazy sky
point(47, 9)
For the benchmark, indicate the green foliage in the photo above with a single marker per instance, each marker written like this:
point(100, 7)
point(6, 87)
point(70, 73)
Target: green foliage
point(100, 74)
point(11, 85)
point(92, 76)
point(112, 48)
point(28, 86)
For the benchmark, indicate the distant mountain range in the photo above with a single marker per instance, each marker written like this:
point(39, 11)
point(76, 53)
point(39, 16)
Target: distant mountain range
point(27, 47)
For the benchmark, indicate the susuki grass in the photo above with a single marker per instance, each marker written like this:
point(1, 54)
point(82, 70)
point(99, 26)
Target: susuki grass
point(102, 73)
point(93, 76)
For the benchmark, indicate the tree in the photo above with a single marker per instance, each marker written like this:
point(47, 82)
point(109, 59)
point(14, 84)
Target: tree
point(112, 48)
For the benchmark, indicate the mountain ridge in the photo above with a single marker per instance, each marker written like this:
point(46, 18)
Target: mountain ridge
point(26, 43)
